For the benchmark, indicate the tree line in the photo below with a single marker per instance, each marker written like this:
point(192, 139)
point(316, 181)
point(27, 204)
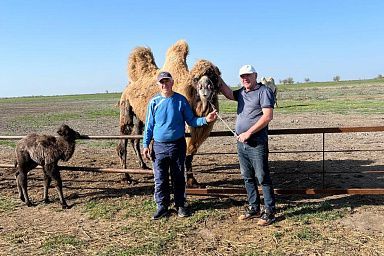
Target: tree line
point(336, 78)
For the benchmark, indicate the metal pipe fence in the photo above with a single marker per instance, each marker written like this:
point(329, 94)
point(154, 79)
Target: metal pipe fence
point(218, 191)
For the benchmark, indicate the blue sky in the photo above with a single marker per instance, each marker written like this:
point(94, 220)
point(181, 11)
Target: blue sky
point(71, 47)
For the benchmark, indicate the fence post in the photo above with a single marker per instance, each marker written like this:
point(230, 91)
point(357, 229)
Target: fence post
point(323, 167)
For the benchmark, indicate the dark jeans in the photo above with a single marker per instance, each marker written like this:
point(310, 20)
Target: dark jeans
point(168, 160)
point(255, 170)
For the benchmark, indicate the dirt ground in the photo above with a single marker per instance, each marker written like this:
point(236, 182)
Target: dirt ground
point(215, 166)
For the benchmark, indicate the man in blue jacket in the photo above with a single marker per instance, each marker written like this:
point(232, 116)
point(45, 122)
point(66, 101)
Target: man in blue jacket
point(166, 115)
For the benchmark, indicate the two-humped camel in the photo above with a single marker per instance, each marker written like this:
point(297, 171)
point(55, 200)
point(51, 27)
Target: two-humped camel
point(200, 86)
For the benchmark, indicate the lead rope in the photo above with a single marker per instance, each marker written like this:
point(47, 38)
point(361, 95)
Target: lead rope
point(217, 113)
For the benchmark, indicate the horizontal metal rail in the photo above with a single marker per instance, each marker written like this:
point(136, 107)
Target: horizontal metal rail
point(141, 171)
point(228, 133)
point(307, 191)
point(92, 169)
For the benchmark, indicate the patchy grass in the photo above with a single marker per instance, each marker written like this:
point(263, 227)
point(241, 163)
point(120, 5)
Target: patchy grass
point(139, 208)
point(61, 243)
point(152, 244)
point(307, 213)
point(7, 205)
point(8, 143)
point(102, 210)
point(40, 120)
point(18, 237)
point(102, 112)
point(227, 106)
point(307, 233)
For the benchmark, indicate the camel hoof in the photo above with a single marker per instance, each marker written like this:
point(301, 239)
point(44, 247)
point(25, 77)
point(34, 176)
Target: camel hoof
point(192, 183)
point(127, 181)
point(47, 201)
point(145, 167)
point(65, 206)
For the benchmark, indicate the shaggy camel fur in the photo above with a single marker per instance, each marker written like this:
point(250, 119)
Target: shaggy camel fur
point(200, 86)
point(270, 82)
point(44, 150)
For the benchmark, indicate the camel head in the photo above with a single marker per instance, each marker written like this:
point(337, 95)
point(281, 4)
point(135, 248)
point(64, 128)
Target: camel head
point(68, 133)
point(204, 87)
point(205, 79)
point(268, 81)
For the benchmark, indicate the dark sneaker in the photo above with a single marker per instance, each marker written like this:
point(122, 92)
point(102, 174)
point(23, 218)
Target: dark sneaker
point(160, 213)
point(266, 219)
point(250, 213)
point(183, 212)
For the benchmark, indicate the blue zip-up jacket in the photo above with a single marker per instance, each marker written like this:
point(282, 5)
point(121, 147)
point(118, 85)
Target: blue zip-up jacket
point(166, 117)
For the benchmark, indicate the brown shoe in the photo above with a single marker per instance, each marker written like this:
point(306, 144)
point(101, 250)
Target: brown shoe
point(266, 219)
point(250, 213)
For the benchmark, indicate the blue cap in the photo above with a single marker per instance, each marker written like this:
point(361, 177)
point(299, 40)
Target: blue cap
point(163, 75)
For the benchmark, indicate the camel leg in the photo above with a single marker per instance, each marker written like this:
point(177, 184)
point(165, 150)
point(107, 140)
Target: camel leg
point(191, 181)
point(22, 183)
point(21, 196)
point(55, 175)
point(138, 130)
point(47, 183)
point(122, 153)
point(136, 147)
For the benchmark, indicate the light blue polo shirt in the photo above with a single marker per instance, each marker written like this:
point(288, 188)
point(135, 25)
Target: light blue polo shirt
point(249, 109)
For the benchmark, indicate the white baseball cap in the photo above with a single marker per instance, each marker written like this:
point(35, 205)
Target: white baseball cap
point(246, 69)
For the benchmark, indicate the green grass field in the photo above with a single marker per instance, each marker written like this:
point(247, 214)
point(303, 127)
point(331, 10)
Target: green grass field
point(344, 97)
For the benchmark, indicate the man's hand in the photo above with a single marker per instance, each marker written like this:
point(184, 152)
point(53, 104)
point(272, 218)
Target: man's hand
point(146, 153)
point(244, 136)
point(211, 116)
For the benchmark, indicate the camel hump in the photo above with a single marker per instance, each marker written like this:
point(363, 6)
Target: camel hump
point(179, 50)
point(141, 61)
point(176, 61)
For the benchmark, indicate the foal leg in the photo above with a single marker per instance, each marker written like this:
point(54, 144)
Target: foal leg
point(22, 183)
point(21, 196)
point(53, 170)
point(47, 183)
